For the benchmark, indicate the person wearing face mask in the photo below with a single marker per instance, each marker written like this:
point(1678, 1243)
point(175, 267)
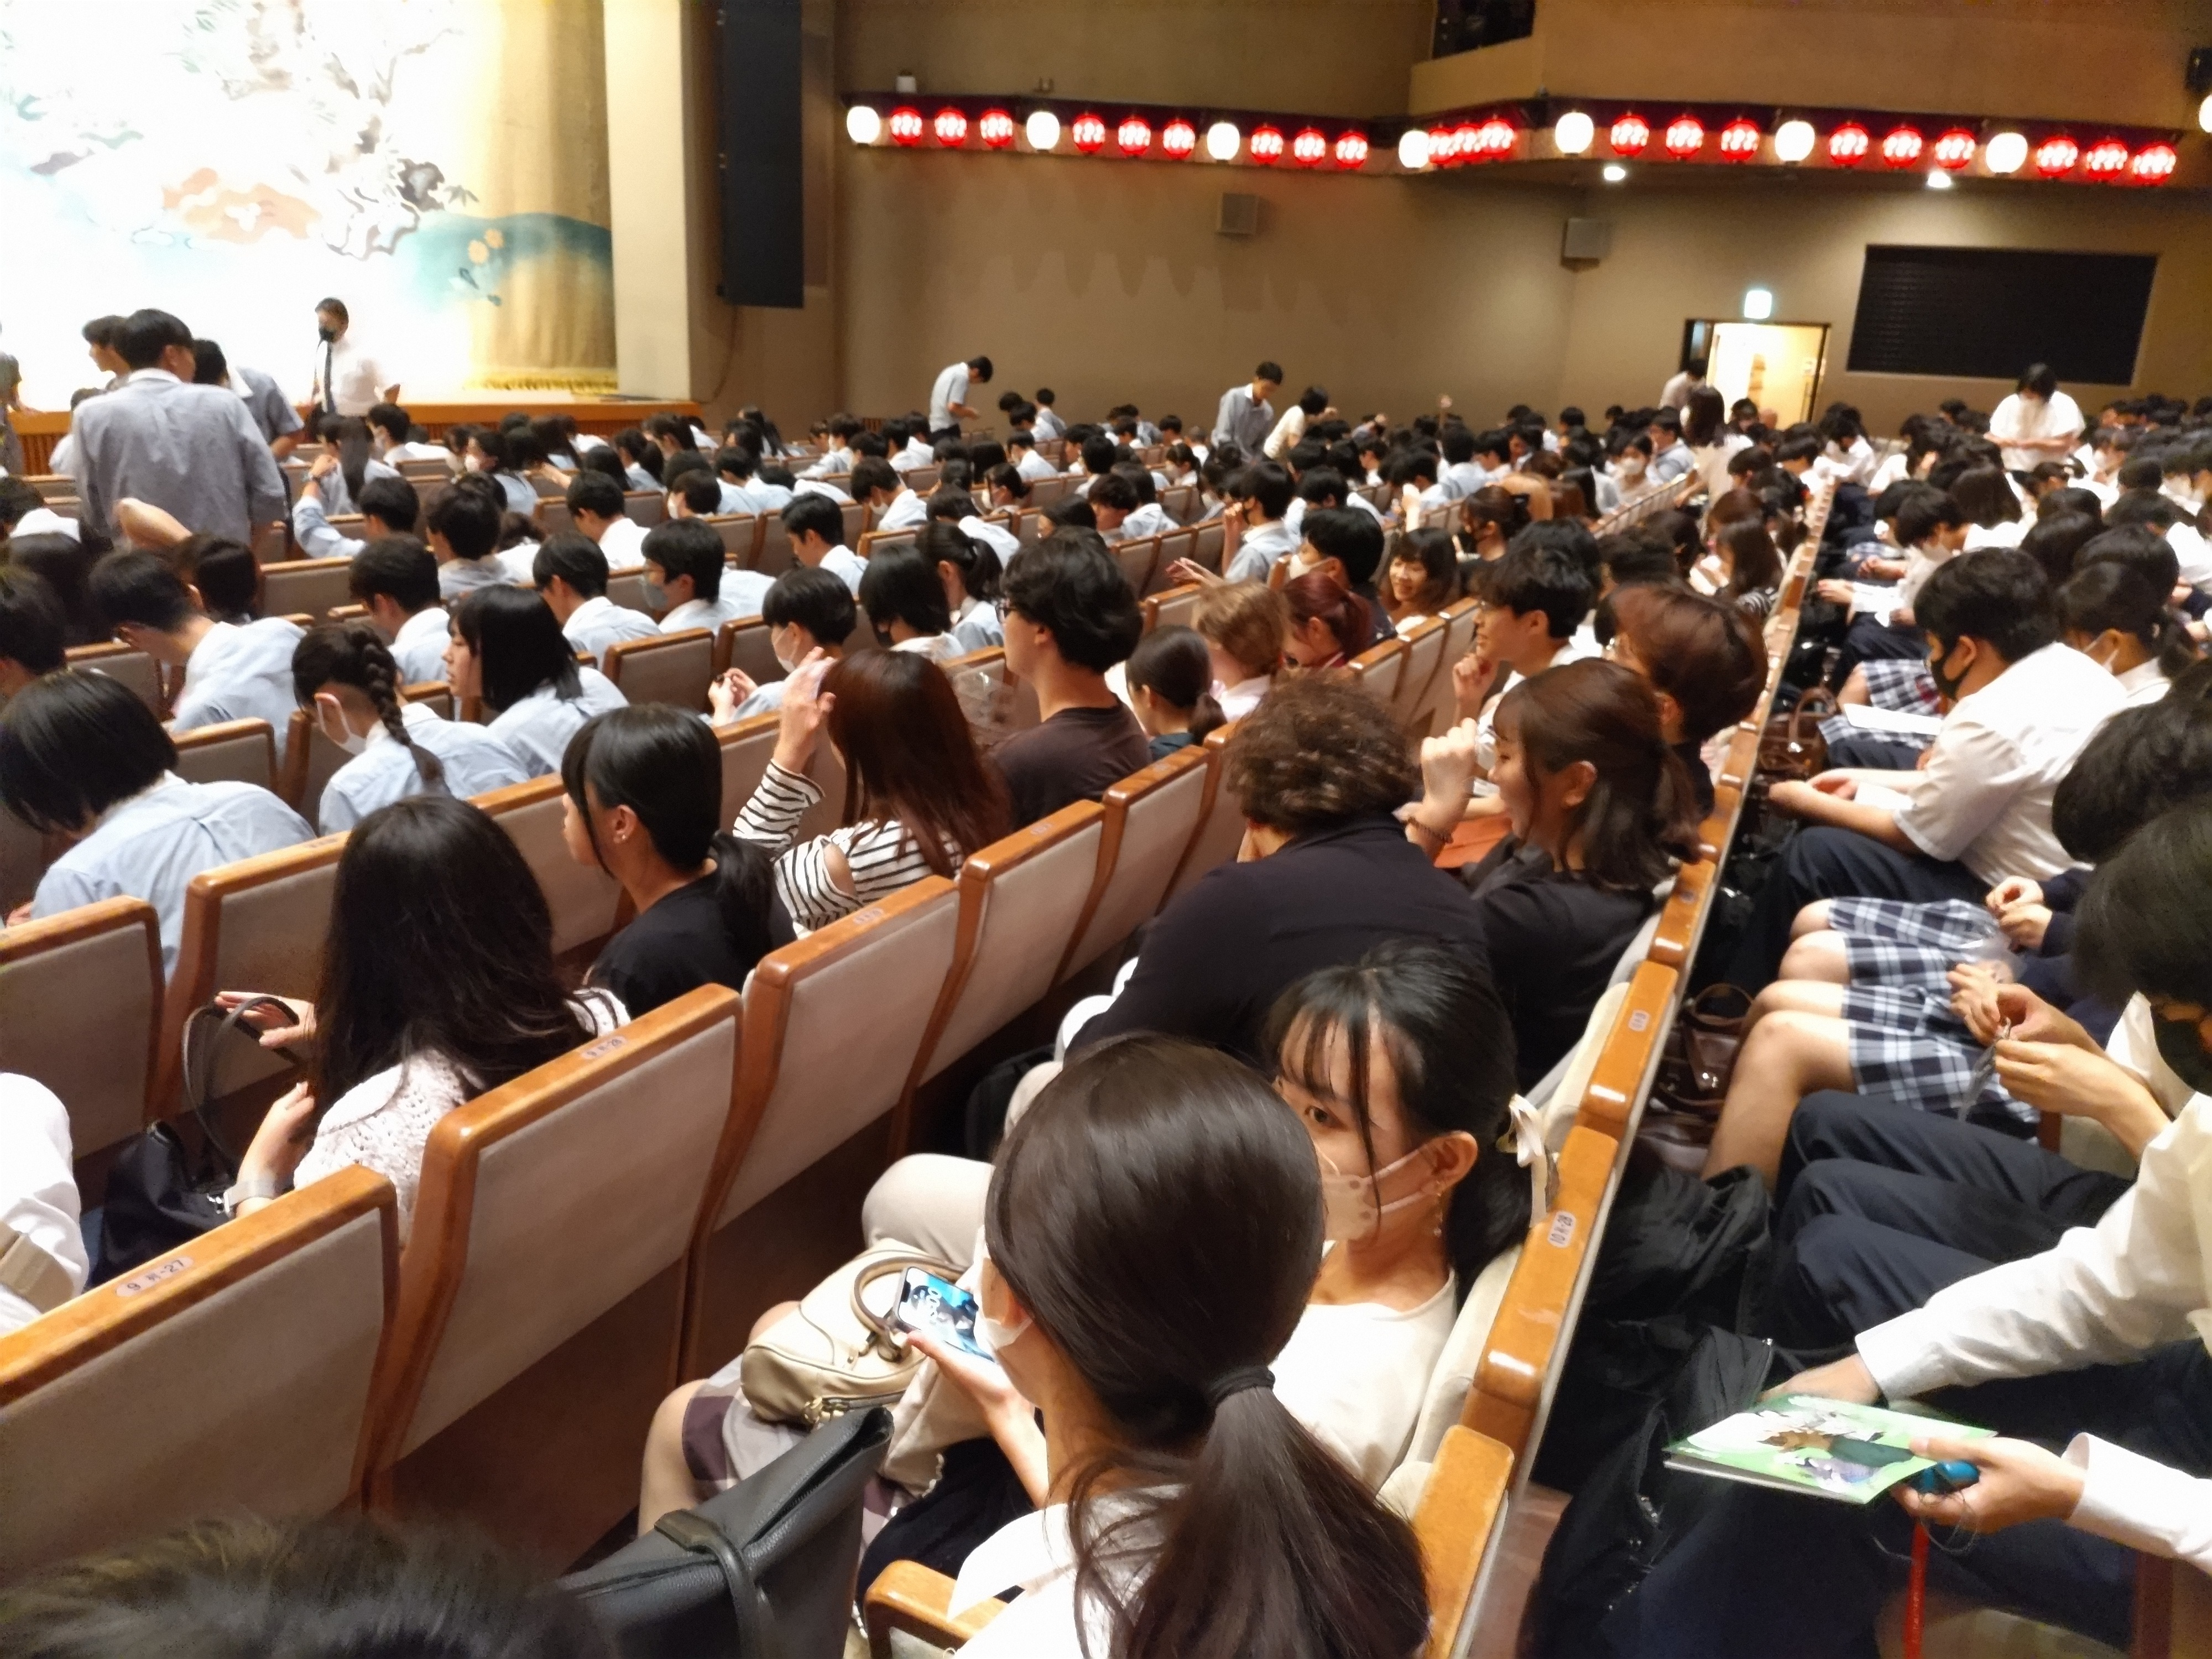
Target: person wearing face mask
point(687, 582)
point(2112, 614)
point(1631, 463)
point(2094, 1343)
point(345, 676)
point(348, 380)
point(2037, 422)
point(392, 434)
point(1600, 808)
point(809, 613)
point(1978, 809)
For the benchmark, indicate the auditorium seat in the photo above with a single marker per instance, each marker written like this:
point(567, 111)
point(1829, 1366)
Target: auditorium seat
point(1179, 501)
point(430, 471)
point(1173, 607)
point(775, 556)
point(1220, 830)
point(133, 668)
point(746, 746)
point(584, 900)
point(553, 518)
point(312, 586)
point(1043, 492)
point(53, 486)
point(811, 1076)
point(555, 1214)
point(81, 1011)
point(744, 645)
point(995, 704)
point(627, 589)
point(232, 1375)
point(646, 508)
point(1020, 900)
point(1425, 657)
point(1379, 669)
point(1138, 557)
point(873, 542)
point(272, 543)
point(1175, 545)
point(1207, 553)
point(674, 668)
point(855, 515)
point(740, 533)
point(1149, 819)
point(24, 855)
point(923, 479)
point(1439, 702)
point(230, 752)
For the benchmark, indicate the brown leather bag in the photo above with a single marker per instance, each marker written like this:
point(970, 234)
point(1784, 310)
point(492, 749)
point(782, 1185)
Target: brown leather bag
point(1792, 746)
point(1691, 1085)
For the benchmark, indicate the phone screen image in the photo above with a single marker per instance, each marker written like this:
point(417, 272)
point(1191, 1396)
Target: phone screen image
point(941, 1308)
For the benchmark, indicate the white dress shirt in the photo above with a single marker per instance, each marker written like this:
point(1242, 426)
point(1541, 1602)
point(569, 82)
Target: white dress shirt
point(740, 597)
point(1033, 466)
point(2146, 682)
point(385, 771)
point(152, 845)
point(38, 1192)
point(537, 728)
point(1150, 519)
point(847, 566)
point(1035, 1554)
point(624, 543)
point(906, 511)
point(2191, 551)
point(999, 539)
point(2056, 417)
point(354, 376)
point(419, 648)
point(951, 387)
point(44, 521)
point(836, 461)
point(241, 673)
point(599, 622)
point(938, 647)
point(1258, 549)
point(1461, 479)
point(1983, 793)
point(1048, 425)
point(457, 578)
point(823, 487)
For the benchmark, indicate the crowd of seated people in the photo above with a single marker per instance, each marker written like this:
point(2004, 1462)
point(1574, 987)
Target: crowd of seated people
point(1231, 1223)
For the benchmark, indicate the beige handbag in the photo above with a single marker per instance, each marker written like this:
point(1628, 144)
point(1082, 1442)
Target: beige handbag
point(833, 1354)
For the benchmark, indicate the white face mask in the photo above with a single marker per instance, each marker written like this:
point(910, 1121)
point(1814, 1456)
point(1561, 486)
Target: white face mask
point(345, 736)
point(1353, 1207)
point(472, 463)
point(996, 1334)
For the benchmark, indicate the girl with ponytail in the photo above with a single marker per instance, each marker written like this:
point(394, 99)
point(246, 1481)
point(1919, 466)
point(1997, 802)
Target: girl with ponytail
point(1601, 810)
point(644, 805)
point(1152, 1228)
point(343, 674)
point(2115, 615)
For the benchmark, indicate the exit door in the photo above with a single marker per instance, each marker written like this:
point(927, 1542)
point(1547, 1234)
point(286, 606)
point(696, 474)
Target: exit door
point(1778, 366)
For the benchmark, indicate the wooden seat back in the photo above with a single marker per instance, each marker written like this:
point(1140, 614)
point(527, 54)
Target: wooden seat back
point(746, 746)
point(230, 752)
point(1220, 830)
point(1150, 819)
point(675, 668)
point(627, 589)
point(1138, 557)
point(1379, 669)
point(132, 668)
point(312, 587)
point(584, 900)
point(81, 1011)
point(1173, 607)
point(1424, 656)
point(741, 536)
point(645, 508)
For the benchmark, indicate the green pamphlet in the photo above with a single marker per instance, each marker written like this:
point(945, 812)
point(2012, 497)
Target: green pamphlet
point(1828, 1448)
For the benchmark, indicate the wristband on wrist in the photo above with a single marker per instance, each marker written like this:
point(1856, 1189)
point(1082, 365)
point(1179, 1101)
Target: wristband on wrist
point(246, 1188)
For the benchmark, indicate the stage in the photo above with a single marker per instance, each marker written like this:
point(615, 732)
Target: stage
point(603, 417)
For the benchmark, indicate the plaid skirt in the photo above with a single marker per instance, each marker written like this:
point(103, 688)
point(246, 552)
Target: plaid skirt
point(1904, 1039)
point(1902, 684)
point(724, 1442)
point(1891, 942)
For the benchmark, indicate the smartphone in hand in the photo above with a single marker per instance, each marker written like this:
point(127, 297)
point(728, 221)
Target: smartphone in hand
point(940, 1309)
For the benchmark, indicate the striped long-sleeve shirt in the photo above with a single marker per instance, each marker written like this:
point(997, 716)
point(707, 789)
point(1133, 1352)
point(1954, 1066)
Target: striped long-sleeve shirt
point(882, 856)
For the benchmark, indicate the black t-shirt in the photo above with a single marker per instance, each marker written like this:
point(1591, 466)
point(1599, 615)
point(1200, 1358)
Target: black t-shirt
point(1077, 754)
point(678, 946)
point(1553, 939)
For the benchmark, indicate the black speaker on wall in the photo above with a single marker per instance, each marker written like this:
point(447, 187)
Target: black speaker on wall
point(756, 128)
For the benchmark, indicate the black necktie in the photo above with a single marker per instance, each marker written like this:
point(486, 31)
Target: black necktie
point(329, 391)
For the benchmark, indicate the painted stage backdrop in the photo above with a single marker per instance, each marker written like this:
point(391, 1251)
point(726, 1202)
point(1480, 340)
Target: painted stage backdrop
point(439, 165)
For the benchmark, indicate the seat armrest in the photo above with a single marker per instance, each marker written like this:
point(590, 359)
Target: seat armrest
point(911, 1597)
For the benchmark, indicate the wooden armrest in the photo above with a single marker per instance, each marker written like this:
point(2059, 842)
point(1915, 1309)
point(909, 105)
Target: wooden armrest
point(1462, 1506)
point(909, 1596)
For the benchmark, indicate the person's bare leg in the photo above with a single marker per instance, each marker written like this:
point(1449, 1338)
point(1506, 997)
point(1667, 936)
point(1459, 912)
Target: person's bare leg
point(1817, 956)
point(1854, 688)
point(667, 1485)
point(1796, 996)
point(1812, 919)
point(1787, 1056)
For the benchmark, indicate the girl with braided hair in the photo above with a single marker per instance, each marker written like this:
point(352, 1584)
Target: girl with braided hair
point(344, 676)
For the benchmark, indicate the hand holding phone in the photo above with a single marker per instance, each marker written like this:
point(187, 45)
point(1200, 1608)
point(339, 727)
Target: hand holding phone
point(938, 1309)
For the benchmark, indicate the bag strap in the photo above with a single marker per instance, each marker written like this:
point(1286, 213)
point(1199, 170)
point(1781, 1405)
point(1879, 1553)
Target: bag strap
point(199, 1079)
point(1816, 702)
point(883, 1267)
point(691, 1530)
point(33, 1273)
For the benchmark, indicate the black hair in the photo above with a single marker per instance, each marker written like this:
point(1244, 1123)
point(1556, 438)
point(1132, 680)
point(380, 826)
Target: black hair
point(1112, 490)
point(74, 744)
point(209, 364)
point(145, 335)
point(701, 492)
point(1458, 443)
point(1267, 483)
point(517, 644)
point(2054, 543)
point(1923, 512)
point(1268, 370)
point(685, 547)
point(224, 573)
point(103, 331)
point(665, 765)
point(1159, 1217)
point(1440, 1024)
point(2141, 550)
point(140, 588)
point(740, 463)
point(575, 558)
point(2142, 506)
point(676, 428)
point(1070, 586)
point(33, 627)
point(640, 451)
point(1985, 496)
point(391, 501)
point(901, 585)
point(816, 600)
point(2138, 764)
point(392, 419)
point(1567, 537)
point(980, 367)
point(871, 473)
point(1998, 594)
point(1176, 665)
point(2141, 927)
point(2039, 378)
point(468, 515)
point(2112, 594)
point(603, 461)
point(400, 567)
point(977, 561)
point(813, 513)
point(592, 491)
point(1532, 577)
point(353, 654)
point(1349, 537)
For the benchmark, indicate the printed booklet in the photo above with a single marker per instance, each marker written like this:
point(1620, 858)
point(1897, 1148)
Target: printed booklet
point(1828, 1448)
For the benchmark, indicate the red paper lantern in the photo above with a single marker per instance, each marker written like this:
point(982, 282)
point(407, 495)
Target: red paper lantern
point(1133, 136)
point(1351, 150)
point(951, 126)
point(2106, 160)
point(1310, 149)
point(1848, 144)
point(996, 129)
point(1178, 139)
point(1902, 147)
point(1686, 136)
point(1466, 141)
point(1954, 151)
point(1088, 132)
point(1494, 139)
point(2154, 164)
point(1740, 140)
point(906, 126)
point(2055, 157)
point(1267, 146)
point(1629, 135)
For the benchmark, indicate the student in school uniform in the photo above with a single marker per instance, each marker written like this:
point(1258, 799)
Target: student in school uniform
point(1671, 459)
point(462, 527)
point(956, 507)
point(1113, 501)
point(1979, 809)
point(232, 671)
point(40, 1210)
point(392, 432)
point(389, 507)
point(1534, 600)
point(816, 530)
point(685, 559)
point(2037, 422)
point(490, 456)
point(808, 612)
point(1260, 496)
point(264, 398)
point(1462, 474)
point(1246, 416)
point(82, 757)
point(1346, 544)
point(644, 804)
point(508, 650)
point(1021, 450)
point(33, 630)
point(970, 570)
point(948, 395)
point(1048, 425)
point(597, 510)
point(344, 675)
point(1705, 661)
point(897, 507)
point(904, 598)
point(572, 578)
point(2111, 614)
point(395, 580)
point(837, 458)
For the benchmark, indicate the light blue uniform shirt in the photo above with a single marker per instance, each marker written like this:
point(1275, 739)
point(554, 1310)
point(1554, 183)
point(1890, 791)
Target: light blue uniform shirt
point(1671, 463)
point(457, 578)
point(741, 594)
point(385, 772)
point(419, 648)
point(312, 529)
point(537, 729)
point(1262, 544)
point(152, 845)
point(599, 622)
point(192, 451)
point(241, 673)
point(979, 627)
point(847, 566)
point(520, 497)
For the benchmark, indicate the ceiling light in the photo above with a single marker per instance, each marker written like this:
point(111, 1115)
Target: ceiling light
point(1614, 172)
point(1793, 141)
point(2006, 153)
point(862, 125)
point(1574, 133)
point(1758, 304)
point(1939, 180)
point(1222, 141)
point(1041, 130)
point(1412, 149)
